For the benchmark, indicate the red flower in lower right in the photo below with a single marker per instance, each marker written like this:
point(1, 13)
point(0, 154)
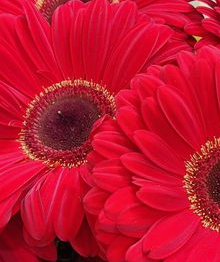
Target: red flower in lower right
point(156, 174)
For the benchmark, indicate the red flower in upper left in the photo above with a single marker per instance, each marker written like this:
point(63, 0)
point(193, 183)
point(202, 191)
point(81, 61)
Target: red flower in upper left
point(57, 83)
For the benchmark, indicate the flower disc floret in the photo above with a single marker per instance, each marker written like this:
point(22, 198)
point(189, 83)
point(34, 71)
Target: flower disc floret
point(58, 122)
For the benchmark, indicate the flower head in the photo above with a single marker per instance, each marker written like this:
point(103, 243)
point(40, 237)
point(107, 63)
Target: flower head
point(157, 179)
point(58, 83)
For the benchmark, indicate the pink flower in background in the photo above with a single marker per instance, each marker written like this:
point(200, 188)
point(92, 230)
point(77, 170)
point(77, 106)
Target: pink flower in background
point(155, 194)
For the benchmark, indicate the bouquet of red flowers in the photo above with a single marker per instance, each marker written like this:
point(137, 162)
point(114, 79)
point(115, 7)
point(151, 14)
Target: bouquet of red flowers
point(109, 131)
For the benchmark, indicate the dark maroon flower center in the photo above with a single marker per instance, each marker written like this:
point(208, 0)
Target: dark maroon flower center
point(58, 123)
point(67, 123)
point(213, 183)
point(202, 182)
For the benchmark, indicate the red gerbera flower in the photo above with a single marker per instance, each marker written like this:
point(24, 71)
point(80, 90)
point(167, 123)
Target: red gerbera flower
point(57, 85)
point(13, 247)
point(209, 27)
point(156, 193)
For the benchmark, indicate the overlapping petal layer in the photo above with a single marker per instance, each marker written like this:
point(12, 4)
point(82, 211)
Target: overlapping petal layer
point(151, 210)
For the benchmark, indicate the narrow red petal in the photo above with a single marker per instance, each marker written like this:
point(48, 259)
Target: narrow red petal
point(176, 231)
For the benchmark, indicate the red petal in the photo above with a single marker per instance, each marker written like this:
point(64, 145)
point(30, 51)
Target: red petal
point(163, 198)
point(12, 108)
point(143, 167)
point(6, 208)
point(150, 144)
point(62, 188)
point(126, 116)
point(180, 114)
point(110, 175)
point(117, 250)
point(69, 198)
point(41, 37)
point(126, 98)
point(63, 19)
point(155, 36)
point(111, 144)
point(135, 221)
point(94, 200)
point(18, 177)
point(95, 49)
point(182, 254)
point(105, 224)
point(145, 85)
point(119, 201)
point(14, 7)
point(14, 248)
point(206, 249)
point(9, 132)
point(176, 231)
point(157, 123)
point(35, 216)
point(84, 243)
point(135, 253)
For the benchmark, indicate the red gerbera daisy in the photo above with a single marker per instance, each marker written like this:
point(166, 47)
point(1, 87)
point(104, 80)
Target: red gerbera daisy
point(209, 27)
point(156, 195)
point(57, 85)
point(13, 247)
